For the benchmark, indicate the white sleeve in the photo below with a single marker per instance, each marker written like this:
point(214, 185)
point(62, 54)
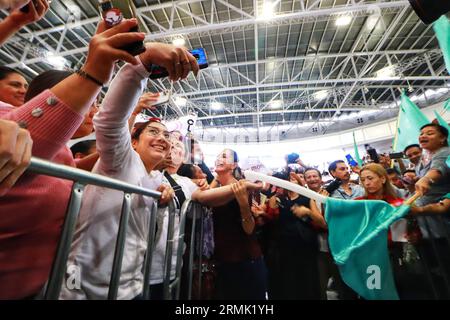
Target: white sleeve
point(111, 122)
point(189, 187)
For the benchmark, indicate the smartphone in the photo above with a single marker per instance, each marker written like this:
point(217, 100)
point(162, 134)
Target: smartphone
point(199, 54)
point(373, 155)
point(26, 8)
point(396, 155)
point(163, 98)
point(111, 10)
point(351, 161)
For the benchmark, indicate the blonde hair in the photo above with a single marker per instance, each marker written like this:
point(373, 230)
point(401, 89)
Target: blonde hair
point(379, 170)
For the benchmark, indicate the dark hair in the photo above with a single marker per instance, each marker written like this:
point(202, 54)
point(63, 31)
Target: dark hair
point(313, 169)
point(415, 145)
point(443, 130)
point(6, 71)
point(139, 127)
point(186, 170)
point(281, 175)
point(82, 147)
point(237, 172)
point(391, 171)
point(409, 170)
point(45, 81)
point(333, 165)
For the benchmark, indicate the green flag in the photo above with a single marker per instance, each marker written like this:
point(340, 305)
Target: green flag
point(410, 119)
point(447, 105)
point(358, 235)
point(442, 122)
point(442, 29)
point(358, 158)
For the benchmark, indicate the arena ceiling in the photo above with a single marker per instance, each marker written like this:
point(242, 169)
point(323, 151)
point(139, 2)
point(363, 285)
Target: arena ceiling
point(316, 66)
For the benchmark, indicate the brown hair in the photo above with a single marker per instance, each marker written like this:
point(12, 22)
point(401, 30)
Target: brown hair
point(44, 81)
point(379, 170)
point(139, 127)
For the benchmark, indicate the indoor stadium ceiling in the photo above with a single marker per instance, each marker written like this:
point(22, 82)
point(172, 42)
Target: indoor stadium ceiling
point(324, 65)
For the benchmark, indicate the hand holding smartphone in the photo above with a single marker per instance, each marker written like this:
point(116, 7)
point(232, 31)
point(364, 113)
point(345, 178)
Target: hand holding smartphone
point(199, 54)
point(26, 8)
point(113, 11)
point(351, 161)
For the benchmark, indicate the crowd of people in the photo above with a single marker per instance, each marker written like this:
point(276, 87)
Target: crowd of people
point(265, 242)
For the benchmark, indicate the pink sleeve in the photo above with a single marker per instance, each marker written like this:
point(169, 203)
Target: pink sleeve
point(50, 121)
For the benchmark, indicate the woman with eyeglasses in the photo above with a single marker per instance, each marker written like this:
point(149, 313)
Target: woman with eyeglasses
point(132, 159)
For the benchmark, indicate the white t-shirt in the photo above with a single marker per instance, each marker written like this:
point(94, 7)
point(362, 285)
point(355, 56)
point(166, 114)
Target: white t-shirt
point(162, 221)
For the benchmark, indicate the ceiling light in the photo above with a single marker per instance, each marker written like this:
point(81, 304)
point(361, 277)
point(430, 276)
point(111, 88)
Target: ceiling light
point(57, 62)
point(216, 106)
point(181, 102)
point(268, 11)
point(385, 73)
point(276, 104)
point(343, 21)
point(178, 42)
point(372, 21)
point(320, 95)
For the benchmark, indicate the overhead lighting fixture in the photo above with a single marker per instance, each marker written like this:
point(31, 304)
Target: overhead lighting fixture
point(343, 21)
point(320, 95)
point(216, 106)
point(181, 102)
point(276, 104)
point(57, 62)
point(385, 73)
point(268, 11)
point(372, 21)
point(178, 42)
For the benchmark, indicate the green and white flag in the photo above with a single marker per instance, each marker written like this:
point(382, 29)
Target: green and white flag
point(358, 158)
point(442, 29)
point(358, 239)
point(410, 119)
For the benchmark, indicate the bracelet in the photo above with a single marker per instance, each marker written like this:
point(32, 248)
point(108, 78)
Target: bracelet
point(86, 75)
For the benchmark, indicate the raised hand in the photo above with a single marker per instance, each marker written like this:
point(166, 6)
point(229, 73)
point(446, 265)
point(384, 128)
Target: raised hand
point(36, 10)
point(177, 61)
point(146, 101)
point(104, 48)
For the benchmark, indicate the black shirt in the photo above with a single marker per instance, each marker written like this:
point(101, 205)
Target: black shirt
point(292, 228)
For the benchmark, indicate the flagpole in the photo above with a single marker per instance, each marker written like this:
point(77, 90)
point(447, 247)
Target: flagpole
point(413, 199)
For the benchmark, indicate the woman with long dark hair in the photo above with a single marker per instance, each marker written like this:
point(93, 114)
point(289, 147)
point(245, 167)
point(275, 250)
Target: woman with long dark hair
point(242, 273)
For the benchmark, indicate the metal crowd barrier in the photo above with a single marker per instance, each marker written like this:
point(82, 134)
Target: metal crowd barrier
point(173, 288)
point(82, 178)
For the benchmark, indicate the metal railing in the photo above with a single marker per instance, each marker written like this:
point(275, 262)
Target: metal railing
point(82, 178)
